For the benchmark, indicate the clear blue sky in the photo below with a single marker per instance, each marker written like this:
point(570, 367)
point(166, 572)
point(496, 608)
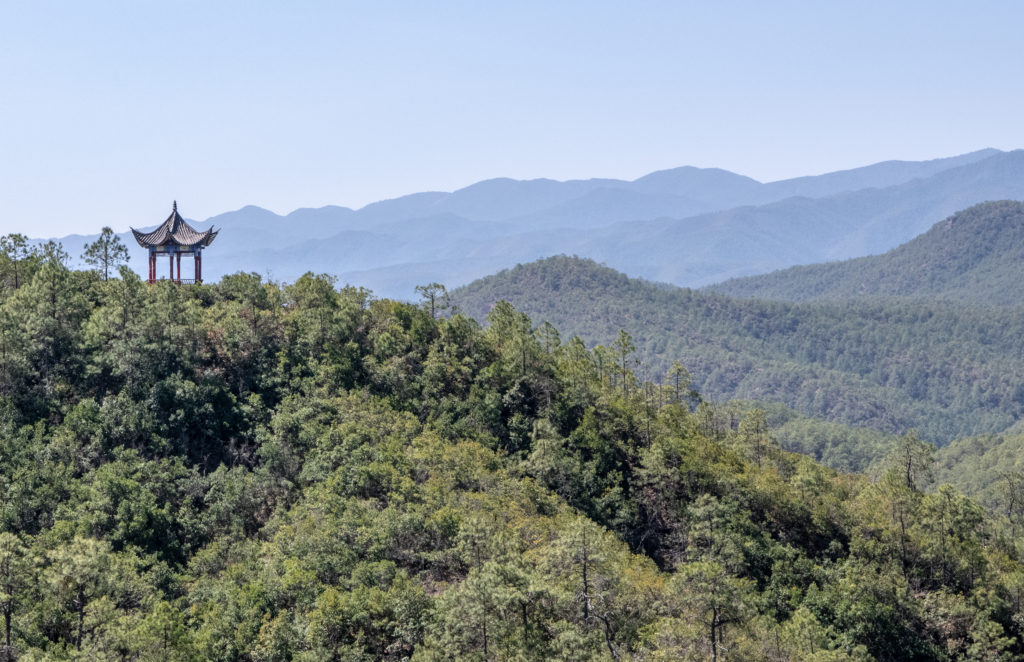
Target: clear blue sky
point(109, 110)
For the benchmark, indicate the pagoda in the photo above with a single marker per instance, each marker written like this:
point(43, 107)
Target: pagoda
point(175, 238)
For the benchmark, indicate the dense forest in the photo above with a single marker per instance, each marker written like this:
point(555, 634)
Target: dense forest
point(972, 256)
point(989, 468)
point(946, 369)
point(255, 471)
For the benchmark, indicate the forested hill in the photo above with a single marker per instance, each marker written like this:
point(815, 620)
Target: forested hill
point(255, 472)
point(974, 255)
point(947, 370)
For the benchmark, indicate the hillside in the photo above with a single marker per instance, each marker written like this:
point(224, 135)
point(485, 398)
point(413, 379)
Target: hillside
point(974, 255)
point(689, 226)
point(990, 468)
point(947, 370)
point(253, 471)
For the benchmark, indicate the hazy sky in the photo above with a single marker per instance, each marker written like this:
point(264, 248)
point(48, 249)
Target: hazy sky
point(109, 110)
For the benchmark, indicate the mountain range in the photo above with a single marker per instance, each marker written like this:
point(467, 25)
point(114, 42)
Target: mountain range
point(843, 356)
point(948, 368)
point(688, 226)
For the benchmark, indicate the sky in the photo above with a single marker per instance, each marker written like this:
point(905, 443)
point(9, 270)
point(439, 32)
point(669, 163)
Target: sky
point(110, 110)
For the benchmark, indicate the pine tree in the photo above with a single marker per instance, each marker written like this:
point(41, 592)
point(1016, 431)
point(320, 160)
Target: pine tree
point(106, 253)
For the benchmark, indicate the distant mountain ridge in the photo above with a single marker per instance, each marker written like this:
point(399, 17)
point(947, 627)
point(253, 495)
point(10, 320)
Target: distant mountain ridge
point(690, 226)
point(879, 175)
point(974, 255)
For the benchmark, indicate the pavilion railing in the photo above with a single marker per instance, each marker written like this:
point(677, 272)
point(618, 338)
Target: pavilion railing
point(179, 281)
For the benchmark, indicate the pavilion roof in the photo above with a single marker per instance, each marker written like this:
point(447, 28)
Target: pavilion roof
point(175, 231)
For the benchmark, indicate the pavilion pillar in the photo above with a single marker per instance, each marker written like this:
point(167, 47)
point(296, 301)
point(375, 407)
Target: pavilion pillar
point(149, 278)
point(199, 266)
point(170, 261)
point(179, 267)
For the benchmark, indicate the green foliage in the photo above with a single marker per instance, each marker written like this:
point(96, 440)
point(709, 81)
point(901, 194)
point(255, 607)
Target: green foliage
point(945, 369)
point(106, 254)
point(839, 446)
point(435, 298)
point(989, 468)
point(19, 260)
point(245, 471)
point(972, 256)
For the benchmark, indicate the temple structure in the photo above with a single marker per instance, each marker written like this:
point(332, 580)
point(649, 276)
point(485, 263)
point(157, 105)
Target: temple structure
point(175, 238)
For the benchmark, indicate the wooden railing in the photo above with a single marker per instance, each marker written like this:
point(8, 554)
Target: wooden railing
point(179, 281)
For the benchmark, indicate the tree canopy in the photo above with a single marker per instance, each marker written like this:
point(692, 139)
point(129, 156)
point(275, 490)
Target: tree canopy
point(254, 471)
point(947, 369)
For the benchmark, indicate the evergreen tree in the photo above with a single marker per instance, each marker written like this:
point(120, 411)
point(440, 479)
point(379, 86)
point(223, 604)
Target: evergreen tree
point(106, 254)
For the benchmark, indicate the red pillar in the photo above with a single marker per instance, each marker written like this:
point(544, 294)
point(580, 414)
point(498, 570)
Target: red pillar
point(152, 267)
point(170, 261)
point(199, 266)
point(179, 267)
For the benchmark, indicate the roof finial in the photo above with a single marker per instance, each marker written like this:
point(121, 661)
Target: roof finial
point(175, 206)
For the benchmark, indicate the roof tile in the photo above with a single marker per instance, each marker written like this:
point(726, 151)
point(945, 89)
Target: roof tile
point(175, 231)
